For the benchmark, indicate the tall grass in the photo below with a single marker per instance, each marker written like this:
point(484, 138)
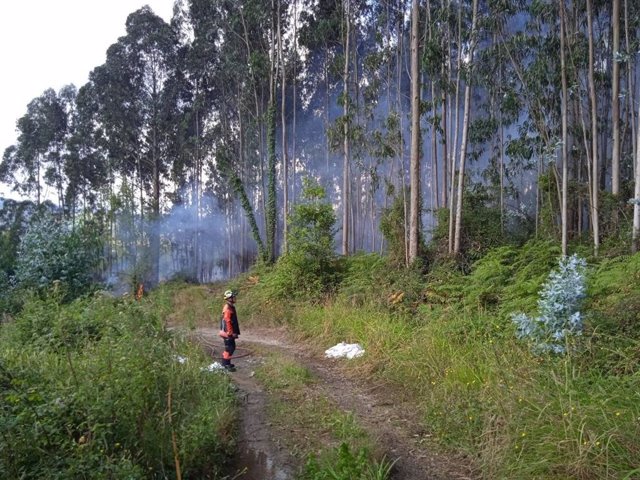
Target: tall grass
point(450, 346)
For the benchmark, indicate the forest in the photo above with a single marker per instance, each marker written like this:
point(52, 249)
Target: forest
point(459, 165)
point(187, 149)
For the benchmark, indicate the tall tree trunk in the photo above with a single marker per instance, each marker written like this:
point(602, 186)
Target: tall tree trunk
point(615, 99)
point(594, 134)
point(456, 129)
point(434, 131)
point(414, 208)
point(327, 119)
point(565, 136)
point(635, 236)
point(400, 150)
point(283, 115)
point(271, 210)
point(294, 82)
point(346, 195)
point(630, 83)
point(465, 131)
point(38, 179)
point(445, 153)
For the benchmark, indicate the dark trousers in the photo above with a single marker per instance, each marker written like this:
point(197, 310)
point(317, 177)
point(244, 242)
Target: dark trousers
point(229, 348)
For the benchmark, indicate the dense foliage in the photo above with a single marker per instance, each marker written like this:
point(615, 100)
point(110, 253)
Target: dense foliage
point(309, 266)
point(186, 152)
point(95, 389)
point(52, 252)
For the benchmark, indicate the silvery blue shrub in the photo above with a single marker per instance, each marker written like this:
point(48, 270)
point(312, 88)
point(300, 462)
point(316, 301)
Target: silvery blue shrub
point(558, 307)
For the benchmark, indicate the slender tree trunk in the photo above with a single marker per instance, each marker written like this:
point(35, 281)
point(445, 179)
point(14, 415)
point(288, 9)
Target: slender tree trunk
point(615, 100)
point(38, 179)
point(565, 135)
point(445, 153)
point(414, 208)
point(346, 196)
point(456, 128)
point(403, 171)
point(465, 131)
point(635, 236)
point(283, 115)
point(434, 138)
point(294, 81)
point(630, 83)
point(271, 211)
point(594, 133)
point(327, 119)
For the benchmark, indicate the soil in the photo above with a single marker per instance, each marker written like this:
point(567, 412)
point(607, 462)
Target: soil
point(394, 427)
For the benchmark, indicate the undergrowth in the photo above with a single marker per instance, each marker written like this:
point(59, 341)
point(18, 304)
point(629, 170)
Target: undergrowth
point(99, 389)
point(445, 340)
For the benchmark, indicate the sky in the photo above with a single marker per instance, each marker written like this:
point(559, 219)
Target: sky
point(52, 43)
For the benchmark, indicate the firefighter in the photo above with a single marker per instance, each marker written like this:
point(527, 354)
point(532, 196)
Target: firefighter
point(229, 329)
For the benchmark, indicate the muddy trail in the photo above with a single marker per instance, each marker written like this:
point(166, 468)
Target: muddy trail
point(394, 428)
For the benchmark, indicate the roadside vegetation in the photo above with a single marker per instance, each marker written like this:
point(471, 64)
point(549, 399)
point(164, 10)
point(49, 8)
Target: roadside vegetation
point(447, 336)
point(98, 388)
point(525, 362)
point(448, 341)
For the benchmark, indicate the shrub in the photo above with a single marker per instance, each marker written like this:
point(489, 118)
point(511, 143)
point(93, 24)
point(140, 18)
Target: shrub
point(308, 269)
point(52, 252)
point(85, 394)
point(558, 305)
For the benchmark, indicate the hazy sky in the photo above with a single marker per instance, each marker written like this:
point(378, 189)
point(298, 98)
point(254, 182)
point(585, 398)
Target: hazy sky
point(51, 43)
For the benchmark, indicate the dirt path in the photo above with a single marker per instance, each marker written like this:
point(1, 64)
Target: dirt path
point(394, 428)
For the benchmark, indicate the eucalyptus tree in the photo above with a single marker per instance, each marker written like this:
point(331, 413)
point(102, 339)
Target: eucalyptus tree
point(36, 159)
point(635, 235)
point(85, 163)
point(414, 223)
point(595, 183)
point(131, 92)
point(346, 181)
point(565, 133)
point(615, 97)
point(320, 34)
point(465, 124)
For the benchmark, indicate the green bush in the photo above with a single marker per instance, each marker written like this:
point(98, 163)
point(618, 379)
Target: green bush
point(50, 251)
point(478, 388)
point(86, 391)
point(309, 268)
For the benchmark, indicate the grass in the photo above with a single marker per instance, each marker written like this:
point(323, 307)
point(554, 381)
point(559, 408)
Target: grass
point(481, 391)
point(316, 429)
point(448, 346)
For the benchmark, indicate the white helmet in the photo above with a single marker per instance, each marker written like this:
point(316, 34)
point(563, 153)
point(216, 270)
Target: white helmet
point(229, 294)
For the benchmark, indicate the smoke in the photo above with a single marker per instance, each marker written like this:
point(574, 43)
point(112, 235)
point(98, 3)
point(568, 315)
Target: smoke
point(198, 243)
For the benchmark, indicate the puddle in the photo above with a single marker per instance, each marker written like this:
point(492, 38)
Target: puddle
point(257, 465)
